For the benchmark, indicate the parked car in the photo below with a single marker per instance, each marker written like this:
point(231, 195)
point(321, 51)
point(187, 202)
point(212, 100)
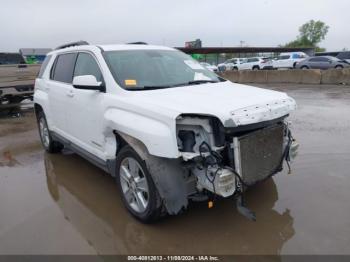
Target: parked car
point(229, 64)
point(288, 60)
point(254, 63)
point(322, 62)
point(16, 79)
point(169, 130)
point(210, 67)
point(345, 56)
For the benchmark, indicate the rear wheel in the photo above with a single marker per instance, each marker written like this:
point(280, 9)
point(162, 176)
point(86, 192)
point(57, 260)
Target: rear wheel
point(48, 143)
point(304, 67)
point(256, 68)
point(339, 67)
point(136, 186)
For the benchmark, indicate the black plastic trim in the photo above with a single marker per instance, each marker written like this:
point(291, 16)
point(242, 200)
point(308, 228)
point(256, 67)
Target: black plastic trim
point(246, 128)
point(107, 166)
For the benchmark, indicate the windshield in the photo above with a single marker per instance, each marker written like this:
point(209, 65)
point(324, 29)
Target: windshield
point(153, 69)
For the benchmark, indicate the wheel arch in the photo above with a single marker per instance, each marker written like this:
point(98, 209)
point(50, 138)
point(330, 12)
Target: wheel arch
point(38, 108)
point(157, 136)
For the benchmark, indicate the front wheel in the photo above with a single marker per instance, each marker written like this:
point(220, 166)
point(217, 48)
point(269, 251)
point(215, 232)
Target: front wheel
point(48, 143)
point(339, 67)
point(136, 186)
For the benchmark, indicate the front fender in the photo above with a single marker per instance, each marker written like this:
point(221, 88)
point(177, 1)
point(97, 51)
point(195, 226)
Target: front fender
point(159, 136)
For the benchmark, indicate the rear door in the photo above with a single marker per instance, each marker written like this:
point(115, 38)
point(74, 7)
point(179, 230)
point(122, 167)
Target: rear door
point(244, 65)
point(58, 89)
point(316, 63)
point(286, 61)
point(325, 63)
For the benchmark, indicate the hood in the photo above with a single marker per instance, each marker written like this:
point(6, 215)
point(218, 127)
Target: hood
point(234, 104)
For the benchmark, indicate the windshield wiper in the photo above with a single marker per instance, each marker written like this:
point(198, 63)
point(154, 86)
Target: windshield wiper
point(138, 88)
point(198, 82)
point(194, 82)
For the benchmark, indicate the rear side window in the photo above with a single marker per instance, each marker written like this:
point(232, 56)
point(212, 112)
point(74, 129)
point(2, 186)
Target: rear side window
point(11, 59)
point(44, 65)
point(316, 59)
point(64, 67)
point(324, 59)
point(87, 65)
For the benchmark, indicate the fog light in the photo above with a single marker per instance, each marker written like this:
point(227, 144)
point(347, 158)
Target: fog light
point(222, 181)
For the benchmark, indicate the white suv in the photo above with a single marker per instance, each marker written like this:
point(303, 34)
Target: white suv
point(169, 130)
point(255, 63)
point(288, 60)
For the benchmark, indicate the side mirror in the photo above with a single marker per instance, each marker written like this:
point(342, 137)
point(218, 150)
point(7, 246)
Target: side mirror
point(88, 82)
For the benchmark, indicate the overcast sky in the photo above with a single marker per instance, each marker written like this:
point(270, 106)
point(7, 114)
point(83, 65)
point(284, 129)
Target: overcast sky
point(49, 23)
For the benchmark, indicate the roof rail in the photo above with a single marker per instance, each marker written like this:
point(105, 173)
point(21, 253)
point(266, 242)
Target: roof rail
point(81, 42)
point(137, 43)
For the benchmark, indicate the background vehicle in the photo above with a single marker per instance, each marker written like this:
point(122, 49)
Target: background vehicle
point(229, 64)
point(255, 63)
point(34, 55)
point(345, 56)
point(321, 62)
point(210, 67)
point(288, 60)
point(169, 130)
point(16, 79)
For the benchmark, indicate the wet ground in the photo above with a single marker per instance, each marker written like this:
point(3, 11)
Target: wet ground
point(61, 204)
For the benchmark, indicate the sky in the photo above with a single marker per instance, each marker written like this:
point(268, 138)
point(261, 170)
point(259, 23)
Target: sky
point(50, 23)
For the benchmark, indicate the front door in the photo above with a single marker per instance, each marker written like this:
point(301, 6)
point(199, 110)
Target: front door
point(85, 118)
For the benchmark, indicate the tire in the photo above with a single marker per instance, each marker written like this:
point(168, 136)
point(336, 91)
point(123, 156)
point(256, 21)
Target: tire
point(304, 67)
point(235, 69)
point(339, 67)
point(48, 143)
point(256, 68)
point(138, 192)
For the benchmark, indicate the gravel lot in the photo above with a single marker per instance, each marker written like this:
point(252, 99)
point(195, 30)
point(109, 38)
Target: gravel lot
point(61, 204)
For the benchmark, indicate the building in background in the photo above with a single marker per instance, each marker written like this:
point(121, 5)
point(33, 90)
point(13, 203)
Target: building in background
point(34, 55)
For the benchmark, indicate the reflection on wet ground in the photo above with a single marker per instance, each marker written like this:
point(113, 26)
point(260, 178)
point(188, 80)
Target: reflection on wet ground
point(61, 204)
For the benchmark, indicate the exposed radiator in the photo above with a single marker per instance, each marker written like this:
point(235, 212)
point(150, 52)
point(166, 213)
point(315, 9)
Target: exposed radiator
point(258, 154)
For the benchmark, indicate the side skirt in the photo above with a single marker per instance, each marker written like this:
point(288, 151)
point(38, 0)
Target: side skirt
point(107, 166)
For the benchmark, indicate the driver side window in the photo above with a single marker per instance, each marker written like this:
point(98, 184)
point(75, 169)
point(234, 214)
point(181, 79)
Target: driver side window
point(87, 65)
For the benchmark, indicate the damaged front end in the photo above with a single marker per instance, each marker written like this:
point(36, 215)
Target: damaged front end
point(227, 160)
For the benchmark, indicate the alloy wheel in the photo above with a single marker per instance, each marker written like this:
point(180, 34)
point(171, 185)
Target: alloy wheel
point(134, 184)
point(44, 132)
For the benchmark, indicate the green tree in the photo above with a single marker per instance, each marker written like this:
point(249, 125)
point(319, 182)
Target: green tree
point(310, 35)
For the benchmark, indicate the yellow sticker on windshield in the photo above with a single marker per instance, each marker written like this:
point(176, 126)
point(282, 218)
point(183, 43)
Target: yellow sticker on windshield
point(130, 82)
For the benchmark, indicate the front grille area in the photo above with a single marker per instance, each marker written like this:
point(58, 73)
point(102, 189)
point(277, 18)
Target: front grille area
point(261, 153)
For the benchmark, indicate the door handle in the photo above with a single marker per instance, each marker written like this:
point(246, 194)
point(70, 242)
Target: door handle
point(70, 93)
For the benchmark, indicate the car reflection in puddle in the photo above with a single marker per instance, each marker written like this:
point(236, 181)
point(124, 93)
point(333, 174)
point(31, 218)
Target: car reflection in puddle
point(90, 201)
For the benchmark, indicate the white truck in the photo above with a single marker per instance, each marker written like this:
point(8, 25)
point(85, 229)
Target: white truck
point(169, 130)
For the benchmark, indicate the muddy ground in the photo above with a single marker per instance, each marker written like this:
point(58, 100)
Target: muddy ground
point(61, 204)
